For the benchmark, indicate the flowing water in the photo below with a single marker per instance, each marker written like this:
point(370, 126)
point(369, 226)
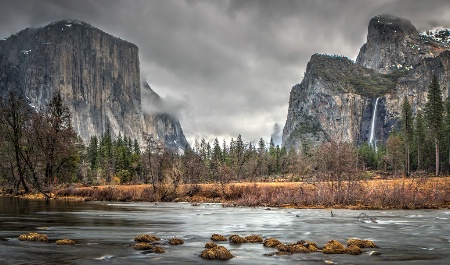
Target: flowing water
point(372, 140)
point(104, 232)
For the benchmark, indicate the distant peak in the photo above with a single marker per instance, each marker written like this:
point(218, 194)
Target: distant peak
point(69, 23)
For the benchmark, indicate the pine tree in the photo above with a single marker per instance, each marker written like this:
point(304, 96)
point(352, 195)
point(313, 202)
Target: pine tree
point(434, 110)
point(92, 152)
point(407, 127)
point(136, 148)
point(419, 137)
point(447, 128)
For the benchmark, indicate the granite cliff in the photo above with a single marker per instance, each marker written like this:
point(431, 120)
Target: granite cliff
point(97, 75)
point(337, 97)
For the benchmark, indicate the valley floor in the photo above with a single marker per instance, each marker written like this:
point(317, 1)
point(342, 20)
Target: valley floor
point(399, 193)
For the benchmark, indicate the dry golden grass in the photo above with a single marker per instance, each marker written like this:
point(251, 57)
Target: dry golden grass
point(237, 239)
point(361, 243)
point(176, 241)
point(217, 237)
point(33, 237)
point(146, 238)
point(411, 193)
point(333, 247)
point(219, 253)
point(143, 246)
point(254, 239)
point(271, 242)
point(65, 242)
point(210, 245)
point(353, 250)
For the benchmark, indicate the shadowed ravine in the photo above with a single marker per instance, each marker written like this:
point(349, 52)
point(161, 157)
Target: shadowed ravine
point(105, 231)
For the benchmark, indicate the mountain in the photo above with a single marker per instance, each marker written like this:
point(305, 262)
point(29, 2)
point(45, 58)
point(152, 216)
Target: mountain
point(97, 75)
point(337, 97)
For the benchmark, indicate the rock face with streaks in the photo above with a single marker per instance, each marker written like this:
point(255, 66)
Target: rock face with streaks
point(97, 75)
point(336, 99)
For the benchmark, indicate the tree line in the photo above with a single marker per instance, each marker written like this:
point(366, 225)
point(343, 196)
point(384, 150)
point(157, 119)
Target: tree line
point(40, 149)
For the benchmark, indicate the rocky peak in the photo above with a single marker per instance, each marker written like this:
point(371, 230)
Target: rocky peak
point(390, 28)
point(394, 43)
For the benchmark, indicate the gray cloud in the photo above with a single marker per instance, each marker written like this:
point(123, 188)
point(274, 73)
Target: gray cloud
point(227, 67)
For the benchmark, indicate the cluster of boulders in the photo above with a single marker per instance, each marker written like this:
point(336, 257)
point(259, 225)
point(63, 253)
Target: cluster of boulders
point(152, 242)
point(213, 251)
point(353, 247)
point(36, 237)
point(33, 237)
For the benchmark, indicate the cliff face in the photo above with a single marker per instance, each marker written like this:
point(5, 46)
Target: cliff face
point(97, 75)
point(337, 98)
point(163, 125)
point(331, 103)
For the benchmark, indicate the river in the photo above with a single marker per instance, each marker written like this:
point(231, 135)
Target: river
point(104, 233)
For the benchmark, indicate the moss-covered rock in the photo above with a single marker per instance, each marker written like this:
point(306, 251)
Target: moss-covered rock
point(361, 243)
point(146, 238)
point(353, 250)
point(176, 241)
point(298, 248)
point(143, 246)
point(292, 248)
point(65, 242)
point(219, 253)
point(158, 250)
point(333, 247)
point(254, 239)
point(210, 245)
point(271, 242)
point(313, 248)
point(237, 239)
point(34, 237)
point(282, 247)
point(217, 237)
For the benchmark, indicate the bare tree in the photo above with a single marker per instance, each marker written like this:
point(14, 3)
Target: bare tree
point(14, 114)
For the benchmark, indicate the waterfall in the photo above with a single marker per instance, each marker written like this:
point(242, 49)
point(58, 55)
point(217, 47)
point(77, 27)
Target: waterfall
point(372, 141)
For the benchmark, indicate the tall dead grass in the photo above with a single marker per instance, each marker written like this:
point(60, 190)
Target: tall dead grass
point(371, 194)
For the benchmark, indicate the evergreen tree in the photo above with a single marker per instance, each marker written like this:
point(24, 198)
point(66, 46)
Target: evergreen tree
point(92, 152)
point(106, 154)
point(407, 128)
point(224, 152)
point(447, 128)
point(419, 137)
point(136, 147)
point(434, 110)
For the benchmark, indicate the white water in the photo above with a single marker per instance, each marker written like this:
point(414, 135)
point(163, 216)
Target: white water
point(372, 141)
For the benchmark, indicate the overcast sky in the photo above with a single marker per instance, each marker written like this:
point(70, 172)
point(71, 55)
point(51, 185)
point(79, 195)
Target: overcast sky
point(227, 67)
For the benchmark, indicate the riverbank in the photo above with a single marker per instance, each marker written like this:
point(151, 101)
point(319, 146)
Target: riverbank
point(401, 193)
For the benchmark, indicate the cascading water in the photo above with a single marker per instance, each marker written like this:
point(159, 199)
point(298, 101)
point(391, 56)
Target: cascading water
point(372, 140)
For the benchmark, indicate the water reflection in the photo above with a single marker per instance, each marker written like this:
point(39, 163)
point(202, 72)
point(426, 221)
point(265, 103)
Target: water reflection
point(104, 233)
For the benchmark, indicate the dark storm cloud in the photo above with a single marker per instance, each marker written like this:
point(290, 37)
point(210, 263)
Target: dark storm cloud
point(226, 67)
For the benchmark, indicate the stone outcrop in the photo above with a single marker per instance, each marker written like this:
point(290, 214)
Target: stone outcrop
point(394, 43)
point(97, 75)
point(336, 99)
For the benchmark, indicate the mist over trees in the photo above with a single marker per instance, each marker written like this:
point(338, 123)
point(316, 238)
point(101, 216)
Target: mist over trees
point(40, 150)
